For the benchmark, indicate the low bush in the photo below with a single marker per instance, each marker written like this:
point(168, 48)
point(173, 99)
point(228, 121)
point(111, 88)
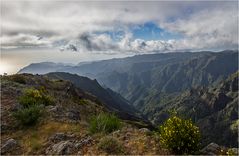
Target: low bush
point(105, 123)
point(28, 116)
point(35, 97)
point(180, 136)
point(111, 145)
point(18, 78)
point(32, 101)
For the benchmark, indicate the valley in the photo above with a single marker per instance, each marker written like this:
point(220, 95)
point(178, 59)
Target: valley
point(154, 84)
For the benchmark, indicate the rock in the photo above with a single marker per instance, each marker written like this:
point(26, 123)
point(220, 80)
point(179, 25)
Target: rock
point(211, 149)
point(61, 148)
point(60, 137)
point(73, 115)
point(144, 130)
point(52, 108)
point(85, 141)
point(9, 146)
point(220, 101)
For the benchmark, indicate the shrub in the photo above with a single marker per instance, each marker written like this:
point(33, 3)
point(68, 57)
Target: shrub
point(31, 102)
point(28, 116)
point(35, 97)
point(111, 145)
point(180, 136)
point(104, 122)
point(18, 79)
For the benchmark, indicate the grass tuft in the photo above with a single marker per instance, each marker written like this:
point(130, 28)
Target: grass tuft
point(105, 123)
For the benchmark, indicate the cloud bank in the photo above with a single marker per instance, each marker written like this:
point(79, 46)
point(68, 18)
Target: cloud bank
point(107, 27)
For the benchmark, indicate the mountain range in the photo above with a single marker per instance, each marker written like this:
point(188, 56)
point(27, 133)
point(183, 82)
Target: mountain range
point(192, 83)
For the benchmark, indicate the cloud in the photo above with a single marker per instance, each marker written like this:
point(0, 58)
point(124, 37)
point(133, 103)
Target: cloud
point(202, 25)
point(104, 43)
point(207, 29)
point(23, 40)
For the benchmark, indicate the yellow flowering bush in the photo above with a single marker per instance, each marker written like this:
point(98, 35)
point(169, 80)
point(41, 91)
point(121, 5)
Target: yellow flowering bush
point(35, 97)
point(180, 136)
point(31, 102)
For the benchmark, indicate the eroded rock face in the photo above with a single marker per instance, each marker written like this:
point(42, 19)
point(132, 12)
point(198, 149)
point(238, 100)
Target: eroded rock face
point(221, 101)
point(61, 148)
point(61, 114)
point(62, 144)
point(9, 146)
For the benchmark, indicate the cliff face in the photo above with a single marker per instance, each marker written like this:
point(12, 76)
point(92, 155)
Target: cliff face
point(213, 109)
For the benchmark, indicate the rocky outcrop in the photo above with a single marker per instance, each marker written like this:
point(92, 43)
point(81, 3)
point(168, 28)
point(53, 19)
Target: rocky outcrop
point(61, 148)
point(211, 149)
point(61, 137)
point(215, 149)
point(64, 144)
point(9, 146)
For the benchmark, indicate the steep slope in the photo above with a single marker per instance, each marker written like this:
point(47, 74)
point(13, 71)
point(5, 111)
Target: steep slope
point(137, 77)
point(187, 82)
point(214, 109)
point(170, 77)
point(112, 100)
point(63, 128)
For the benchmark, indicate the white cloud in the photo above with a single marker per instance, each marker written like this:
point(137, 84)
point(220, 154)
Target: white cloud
point(104, 43)
point(207, 29)
point(202, 25)
point(23, 40)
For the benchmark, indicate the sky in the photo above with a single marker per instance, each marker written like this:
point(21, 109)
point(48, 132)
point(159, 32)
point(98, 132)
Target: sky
point(75, 31)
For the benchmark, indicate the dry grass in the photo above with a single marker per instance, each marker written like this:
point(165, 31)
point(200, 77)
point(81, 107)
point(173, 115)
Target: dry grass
point(33, 138)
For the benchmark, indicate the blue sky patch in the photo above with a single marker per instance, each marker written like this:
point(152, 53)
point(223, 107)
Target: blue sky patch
point(150, 31)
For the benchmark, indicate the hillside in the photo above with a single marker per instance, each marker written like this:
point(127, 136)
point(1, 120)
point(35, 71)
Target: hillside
point(139, 76)
point(191, 83)
point(63, 127)
point(214, 109)
point(112, 100)
point(44, 67)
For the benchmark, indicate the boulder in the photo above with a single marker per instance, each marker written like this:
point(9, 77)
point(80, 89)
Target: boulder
point(211, 149)
point(61, 148)
point(9, 146)
point(144, 130)
point(60, 137)
point(85, 141)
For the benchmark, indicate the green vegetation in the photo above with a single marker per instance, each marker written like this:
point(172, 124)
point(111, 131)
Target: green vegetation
point(35, 97)
point(111, 145)
point(32, 101)
point(105, 123)
point(29, 115)
point(18, 78)
point(180, 135)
